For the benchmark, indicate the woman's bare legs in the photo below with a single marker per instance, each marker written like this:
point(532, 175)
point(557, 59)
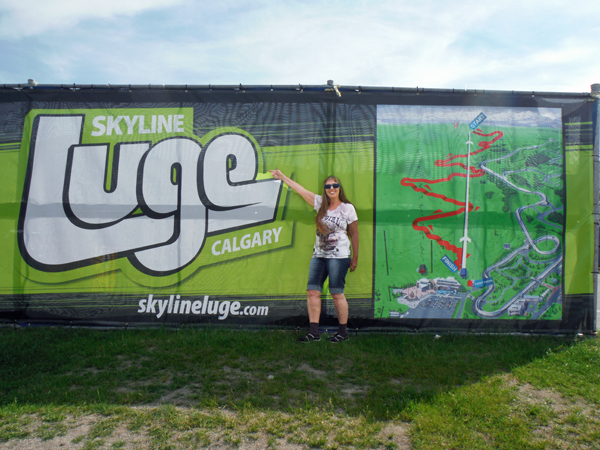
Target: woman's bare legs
point(314, 311)
point(341, 306)
point(314, 306)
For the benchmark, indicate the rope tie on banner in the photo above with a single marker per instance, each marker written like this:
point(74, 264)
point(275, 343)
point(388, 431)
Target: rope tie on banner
point(334, 88)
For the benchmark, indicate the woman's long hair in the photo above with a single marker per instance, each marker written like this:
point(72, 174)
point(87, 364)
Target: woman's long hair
point(326, 202)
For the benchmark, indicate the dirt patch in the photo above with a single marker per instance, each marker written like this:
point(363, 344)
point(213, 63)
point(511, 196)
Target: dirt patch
point(128, 362)
point(234, 374)
point(533, 395)
point(76, 437)
point(399, 435)
point(140, 384)
point(311, 370)
point(403, 382)
point(351, 391)
point(558, 416)
point(77, 429)
point(124, 390)
point(178, 397)
point(79, 434)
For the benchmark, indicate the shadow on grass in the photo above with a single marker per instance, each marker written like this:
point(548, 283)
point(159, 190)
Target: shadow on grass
point(377, 375)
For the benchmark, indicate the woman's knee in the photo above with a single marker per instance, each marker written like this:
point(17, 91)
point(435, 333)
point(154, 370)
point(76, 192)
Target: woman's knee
point(339, 298)
point(313, 294)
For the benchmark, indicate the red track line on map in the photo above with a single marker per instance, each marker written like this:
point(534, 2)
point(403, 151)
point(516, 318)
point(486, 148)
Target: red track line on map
point(475, 173)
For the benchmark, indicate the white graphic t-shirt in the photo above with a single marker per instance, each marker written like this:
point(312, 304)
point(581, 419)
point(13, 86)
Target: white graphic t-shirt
point(336, 244)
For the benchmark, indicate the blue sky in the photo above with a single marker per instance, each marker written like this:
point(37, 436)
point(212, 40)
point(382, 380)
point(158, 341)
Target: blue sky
point(525, 45)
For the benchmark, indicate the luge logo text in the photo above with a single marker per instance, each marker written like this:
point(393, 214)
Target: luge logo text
point(163, 201)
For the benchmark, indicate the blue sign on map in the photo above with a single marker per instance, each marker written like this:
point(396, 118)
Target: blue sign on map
point(449, 263)
point(483, 282)
point(480, 118)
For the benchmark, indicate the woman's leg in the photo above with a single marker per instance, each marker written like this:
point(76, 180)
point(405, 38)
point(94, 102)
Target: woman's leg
point(341, 306)
point(338, 268)
point(314, 312)
point(317, 274)
point(314, 306)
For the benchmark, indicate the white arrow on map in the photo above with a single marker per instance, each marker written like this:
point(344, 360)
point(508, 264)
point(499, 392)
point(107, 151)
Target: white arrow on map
point(465, 238)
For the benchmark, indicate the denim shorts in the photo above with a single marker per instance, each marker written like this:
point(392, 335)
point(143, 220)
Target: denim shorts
point(334, 268)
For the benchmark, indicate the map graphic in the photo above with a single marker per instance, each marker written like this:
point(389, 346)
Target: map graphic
point(469, 213)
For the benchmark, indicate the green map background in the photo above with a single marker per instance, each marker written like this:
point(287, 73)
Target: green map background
point(410, 150)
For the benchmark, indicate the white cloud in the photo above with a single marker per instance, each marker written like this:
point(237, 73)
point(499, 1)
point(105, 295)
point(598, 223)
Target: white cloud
point(465, 114)
point(21, 18)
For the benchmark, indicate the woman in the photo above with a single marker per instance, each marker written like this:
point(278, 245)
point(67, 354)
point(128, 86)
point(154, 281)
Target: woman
point(336, 217)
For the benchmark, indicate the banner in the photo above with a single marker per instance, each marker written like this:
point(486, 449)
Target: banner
point(157, 207)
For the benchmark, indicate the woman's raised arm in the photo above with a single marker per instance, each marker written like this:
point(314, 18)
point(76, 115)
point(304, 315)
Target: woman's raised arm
point(298, 188)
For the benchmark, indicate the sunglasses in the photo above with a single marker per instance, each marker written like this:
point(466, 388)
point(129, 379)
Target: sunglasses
point(335, 186)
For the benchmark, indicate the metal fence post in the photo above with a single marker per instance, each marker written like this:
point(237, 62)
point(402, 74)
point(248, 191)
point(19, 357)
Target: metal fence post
point(596, 157)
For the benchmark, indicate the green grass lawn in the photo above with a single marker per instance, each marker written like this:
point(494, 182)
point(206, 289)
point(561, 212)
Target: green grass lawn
point(193, 388)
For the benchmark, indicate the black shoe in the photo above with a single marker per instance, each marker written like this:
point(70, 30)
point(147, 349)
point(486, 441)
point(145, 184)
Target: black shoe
point(337, 338)
point(309, 337)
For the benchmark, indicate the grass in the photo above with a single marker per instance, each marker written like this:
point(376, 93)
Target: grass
point(194, 388)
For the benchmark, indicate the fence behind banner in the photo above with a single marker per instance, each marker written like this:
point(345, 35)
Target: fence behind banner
point(150, 206)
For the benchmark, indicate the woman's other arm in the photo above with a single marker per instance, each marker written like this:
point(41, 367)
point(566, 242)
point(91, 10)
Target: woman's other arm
point(298, 188)
point(353, 232)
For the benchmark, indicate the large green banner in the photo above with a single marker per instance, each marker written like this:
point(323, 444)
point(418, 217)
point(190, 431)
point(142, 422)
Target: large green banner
point(146, 207)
